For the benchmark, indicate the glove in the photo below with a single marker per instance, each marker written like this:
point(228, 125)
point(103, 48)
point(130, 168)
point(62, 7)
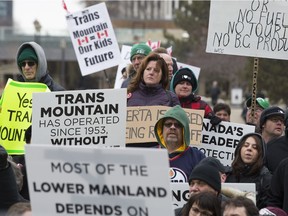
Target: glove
point(215, 120)
point(3, 158)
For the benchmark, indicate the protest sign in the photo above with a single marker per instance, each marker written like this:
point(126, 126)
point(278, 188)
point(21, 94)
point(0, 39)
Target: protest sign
point(196, 70)
point(249, 28)
point(93, 39)
point(80, 118)
point(125, 60)
point(180, 192)
point(141, 121)
point(221, 140)
point(16, 113)
point(98, 181)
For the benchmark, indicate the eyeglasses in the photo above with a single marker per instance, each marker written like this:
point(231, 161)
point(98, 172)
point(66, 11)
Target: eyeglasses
point(275, 119)
point(30, 63)
point(176, 124)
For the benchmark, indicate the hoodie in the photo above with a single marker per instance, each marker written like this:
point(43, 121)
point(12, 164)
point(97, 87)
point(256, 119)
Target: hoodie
point(42, 75)
point(185, 158)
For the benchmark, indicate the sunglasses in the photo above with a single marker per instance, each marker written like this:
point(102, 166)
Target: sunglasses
point(30, 63)
point(169, 124)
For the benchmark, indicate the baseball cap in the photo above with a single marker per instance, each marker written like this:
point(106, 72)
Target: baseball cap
point(263, 103)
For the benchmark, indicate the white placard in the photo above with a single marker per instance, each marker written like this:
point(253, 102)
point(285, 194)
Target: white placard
point(196, 70)
point(180, 191)
point(93, 39)
point(249, 28)
point(125, 56)
point(221, 140)
point(236, 96)
point(80, 118)
point(98, 181)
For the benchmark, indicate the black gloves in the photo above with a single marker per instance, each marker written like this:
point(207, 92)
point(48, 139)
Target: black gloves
point(214, 120)
point(3, 158)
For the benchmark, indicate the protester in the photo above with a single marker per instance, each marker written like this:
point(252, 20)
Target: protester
point(9, 193)
point(278, 192)
point(277, 149)
point(261, 104)
point(20, 209)
point(184, 84)
point(148, 87)
point(32, 65)
point(203, 178)
point(138, 53)
point(214, 92)
point(167, 58)
point(272, 123)
point(223, 111)
point(239, 206)
point(248, 166)
point(173, 133)
point(204, 203)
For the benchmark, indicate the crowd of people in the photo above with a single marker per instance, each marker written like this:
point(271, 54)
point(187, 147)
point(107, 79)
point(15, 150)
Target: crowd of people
point(153, 79)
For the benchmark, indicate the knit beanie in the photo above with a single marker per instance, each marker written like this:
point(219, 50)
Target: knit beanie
point(27, 53)
point(271, 111)
point(140, 49)
point(184, 74)
point(208, 174)
point(272, 211)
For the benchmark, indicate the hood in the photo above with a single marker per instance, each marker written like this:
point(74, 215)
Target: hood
point(180, 115)
point(42, 62)
point(262, 143)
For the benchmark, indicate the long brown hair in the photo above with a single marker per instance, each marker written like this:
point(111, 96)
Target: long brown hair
point(135, 81)
point(238, 165)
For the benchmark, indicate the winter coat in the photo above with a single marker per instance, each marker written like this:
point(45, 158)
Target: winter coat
point(42, 75)
point(278, 193)
point(194, 102)
point(277, 150)
point(185, 158)
point(9, 194)
point(152, 96)
point(261, 179)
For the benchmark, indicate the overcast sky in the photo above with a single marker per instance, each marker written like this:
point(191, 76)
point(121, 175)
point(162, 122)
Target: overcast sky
point(50, 14)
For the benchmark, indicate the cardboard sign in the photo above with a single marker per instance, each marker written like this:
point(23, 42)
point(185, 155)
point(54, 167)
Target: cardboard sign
point(16, 113)
point(249, 28)
point(141, 121)
point(98, 181)
point(180, 191)
point(93, 39)
point(80, 118)
point(221, 140)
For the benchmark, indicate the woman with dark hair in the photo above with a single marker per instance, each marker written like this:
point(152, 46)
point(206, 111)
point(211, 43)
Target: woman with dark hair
point(248, 166)
point(149, 86)
point(206, 203)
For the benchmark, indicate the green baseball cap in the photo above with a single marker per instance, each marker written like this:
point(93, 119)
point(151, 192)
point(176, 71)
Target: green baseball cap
point(263, 103)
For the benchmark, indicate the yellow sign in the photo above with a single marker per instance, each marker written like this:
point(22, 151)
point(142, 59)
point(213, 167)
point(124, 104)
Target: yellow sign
point(16, 113)
point(141, 121)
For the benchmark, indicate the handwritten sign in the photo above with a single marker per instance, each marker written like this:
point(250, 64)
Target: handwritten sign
point(249, 28)
point(93, 39)
point(141, 121)
point(98, 181)
point(221, 140)
point(80, 118)
point(16, 113)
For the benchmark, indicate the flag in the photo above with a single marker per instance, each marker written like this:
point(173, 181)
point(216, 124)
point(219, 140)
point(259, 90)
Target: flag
point(102, 34)
point(83, 40)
